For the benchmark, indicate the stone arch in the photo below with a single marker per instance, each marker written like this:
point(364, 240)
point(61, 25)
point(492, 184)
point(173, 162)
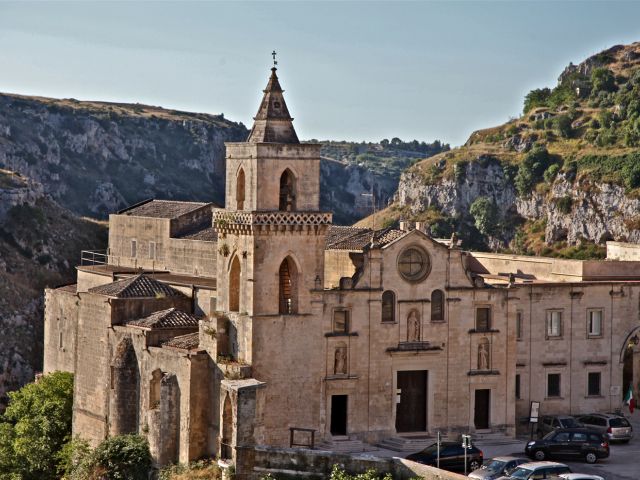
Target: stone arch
point(227, 428)
point(340, 359)
point(437, 305)
point(413, 326)
point(288, 276)
point(234, 284)
point(240, 189)
point(484, 354)
point(124, 396)
point(287, 199)
point(388, 306)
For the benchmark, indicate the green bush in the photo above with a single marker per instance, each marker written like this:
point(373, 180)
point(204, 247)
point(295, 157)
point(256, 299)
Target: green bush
point(562, 123)
point(338, 473)
point(551, 173)
point(35, 426)
point(565, 204)
point(531, 170)
point(603, 80)
point(460, 170)
point(485, 215)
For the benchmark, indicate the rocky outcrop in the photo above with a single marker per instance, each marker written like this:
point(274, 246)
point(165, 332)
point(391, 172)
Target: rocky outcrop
point(573, 211)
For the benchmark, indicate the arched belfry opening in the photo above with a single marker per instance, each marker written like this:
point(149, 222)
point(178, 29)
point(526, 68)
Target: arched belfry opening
point(288, 287)
point(287, 191)
point(240, 190)
point(234, 285)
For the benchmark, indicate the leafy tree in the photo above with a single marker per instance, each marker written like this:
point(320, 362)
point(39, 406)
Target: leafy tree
point(562, 123)
point(37, 425)
point(531, 170)
point(536, 98)
point(125, 457)
point(485, 215)
point(603, 80)
point(551, 172)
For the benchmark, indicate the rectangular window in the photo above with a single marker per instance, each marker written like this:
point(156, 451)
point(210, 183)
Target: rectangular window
point(113, 377)
point(593, 381)
point(553, 385)
point(518, 387)
point(341, 321)
point(483, 319)
point(60, 340)
point(554, 323)
point(152, 250)
point(134, 249)
point(594, 323)
point(519, 325)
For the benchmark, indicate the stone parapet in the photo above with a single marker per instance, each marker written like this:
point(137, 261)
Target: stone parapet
point(272, 221)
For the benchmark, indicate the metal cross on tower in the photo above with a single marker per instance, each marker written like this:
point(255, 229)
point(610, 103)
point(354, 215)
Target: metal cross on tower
point(273, 54)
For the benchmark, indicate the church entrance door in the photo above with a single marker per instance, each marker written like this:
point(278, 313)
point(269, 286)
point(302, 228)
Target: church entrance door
point(339, 414)
point(411, 410)
point(481, 415)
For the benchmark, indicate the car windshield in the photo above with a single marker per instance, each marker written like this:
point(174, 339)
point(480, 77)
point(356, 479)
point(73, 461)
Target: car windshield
point(549, 435)
point(569, 422)
point(495, 465)
point(432, 449)
point(618, 422)
point(521, 473)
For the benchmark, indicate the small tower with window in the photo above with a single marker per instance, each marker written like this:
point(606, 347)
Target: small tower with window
point(271, 234)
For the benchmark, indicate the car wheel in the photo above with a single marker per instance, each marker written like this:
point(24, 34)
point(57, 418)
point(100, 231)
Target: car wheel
point(591, 457)
point(539, 455)
point(474, 465)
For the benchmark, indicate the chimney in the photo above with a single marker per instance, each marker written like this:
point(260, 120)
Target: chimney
point(420, 226)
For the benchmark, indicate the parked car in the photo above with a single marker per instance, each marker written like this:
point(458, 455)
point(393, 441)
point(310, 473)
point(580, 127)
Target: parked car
point(585, 443)
point(537, 470)
point(497, 467)
point(549, 423)
point(578, 476)
point(451, 456)
point(615, 427)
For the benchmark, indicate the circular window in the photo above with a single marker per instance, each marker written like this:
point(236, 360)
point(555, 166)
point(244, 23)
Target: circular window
point(414, 264)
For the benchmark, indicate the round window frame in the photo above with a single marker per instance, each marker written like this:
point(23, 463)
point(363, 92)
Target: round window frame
point(424, 272)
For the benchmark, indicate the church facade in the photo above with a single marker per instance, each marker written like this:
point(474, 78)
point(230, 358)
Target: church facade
point(211, 330)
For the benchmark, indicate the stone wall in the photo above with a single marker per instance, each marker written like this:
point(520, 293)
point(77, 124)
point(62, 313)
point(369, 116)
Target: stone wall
point(60, 329)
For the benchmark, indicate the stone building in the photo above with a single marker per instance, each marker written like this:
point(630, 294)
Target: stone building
point(211, 330)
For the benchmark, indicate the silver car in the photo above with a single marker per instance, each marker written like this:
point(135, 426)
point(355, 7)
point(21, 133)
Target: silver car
point(535, 470)
point(497, 467)
point(615, 427)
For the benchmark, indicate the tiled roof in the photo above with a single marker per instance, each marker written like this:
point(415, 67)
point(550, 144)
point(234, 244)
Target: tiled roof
point(205, 234)
point(170, 318)
point(190, 341)
point(163, 209)
point(138, 286)
point(351, 238)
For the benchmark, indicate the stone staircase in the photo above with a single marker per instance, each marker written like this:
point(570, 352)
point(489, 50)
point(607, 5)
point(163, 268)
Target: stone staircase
point(406, 444)
point(493, 438)
point(346, 445)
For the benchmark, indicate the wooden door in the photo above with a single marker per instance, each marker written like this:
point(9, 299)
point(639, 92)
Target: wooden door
point(481, 415)
point(411, 411)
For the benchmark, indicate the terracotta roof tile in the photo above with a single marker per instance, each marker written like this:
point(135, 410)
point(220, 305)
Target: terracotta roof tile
point(138, 286)
point(170, 318)
point(163, 209)
point(352, 238)
point(205, 234)
point(190, 341)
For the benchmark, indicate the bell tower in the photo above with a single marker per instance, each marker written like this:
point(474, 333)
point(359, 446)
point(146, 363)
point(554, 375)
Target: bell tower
point(271, 234)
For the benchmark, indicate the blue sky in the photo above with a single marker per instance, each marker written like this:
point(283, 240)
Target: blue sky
point(351, 70)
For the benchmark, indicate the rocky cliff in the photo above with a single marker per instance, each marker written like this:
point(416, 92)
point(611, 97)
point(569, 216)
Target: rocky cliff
point(560, 180)
point(40, 244)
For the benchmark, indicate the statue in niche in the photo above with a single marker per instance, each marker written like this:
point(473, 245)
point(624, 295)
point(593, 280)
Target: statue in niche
point(413, 327)
point(340, 361)
point(483, 356)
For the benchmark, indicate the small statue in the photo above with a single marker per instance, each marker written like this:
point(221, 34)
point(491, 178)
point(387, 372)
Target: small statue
point(483, 357)
point(340, 361)
point(413, 327)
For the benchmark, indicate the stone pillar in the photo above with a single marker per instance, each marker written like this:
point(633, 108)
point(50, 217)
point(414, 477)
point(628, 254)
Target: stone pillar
point(124, 392)
point(164, 423)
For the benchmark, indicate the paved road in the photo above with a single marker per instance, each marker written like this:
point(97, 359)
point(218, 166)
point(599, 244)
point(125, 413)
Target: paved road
point(622, 464)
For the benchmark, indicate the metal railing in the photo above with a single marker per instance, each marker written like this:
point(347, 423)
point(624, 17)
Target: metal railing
point(94, 257)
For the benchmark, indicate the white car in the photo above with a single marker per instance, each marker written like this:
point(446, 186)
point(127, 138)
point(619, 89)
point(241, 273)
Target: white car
point(579, 476)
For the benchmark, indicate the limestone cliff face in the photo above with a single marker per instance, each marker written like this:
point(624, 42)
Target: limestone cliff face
point(40, 244)
point(572, 210)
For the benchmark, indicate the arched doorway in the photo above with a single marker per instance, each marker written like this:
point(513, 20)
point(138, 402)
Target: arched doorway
point(630, 359)
point(227, 429)
point(240, 189)
point(287, 201)
point(234, 285)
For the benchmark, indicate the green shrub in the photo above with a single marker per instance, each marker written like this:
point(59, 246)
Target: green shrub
point(603, 80)
point(536, 98)
point(551, 172)
point(338, 473)
point(36, 425)
point(531, 170)
point(460, 170)
point(125, 457)
point(485, 215)
point(562, 123)
point(565, 204)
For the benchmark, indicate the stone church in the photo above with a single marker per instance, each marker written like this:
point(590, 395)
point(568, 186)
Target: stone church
point(214, 330)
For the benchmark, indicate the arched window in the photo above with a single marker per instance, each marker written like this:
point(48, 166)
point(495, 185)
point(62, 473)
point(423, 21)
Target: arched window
point(388, 306)
point(437, 306)
point(287, 192)
point(240, 190)
point(288, 279)
point(227, 428)
point(234, 285)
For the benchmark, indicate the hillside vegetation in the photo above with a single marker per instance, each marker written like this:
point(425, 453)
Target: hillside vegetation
point(563, 176)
